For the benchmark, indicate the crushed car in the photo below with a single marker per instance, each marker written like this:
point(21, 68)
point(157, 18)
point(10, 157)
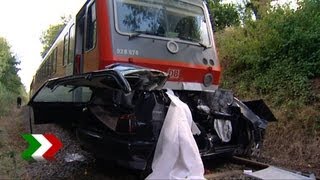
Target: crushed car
point(118, 114)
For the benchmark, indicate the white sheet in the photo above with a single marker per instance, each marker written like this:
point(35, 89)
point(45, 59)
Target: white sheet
point(177, 155)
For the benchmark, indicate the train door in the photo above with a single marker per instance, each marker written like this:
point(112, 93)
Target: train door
point(90, 56)
point(79, 44)
point(86, 58)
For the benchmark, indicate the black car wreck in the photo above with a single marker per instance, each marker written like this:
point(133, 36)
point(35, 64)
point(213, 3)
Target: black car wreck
point(118, 114)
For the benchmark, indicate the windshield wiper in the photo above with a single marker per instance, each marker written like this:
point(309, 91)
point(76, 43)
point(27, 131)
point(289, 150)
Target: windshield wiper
point(137, 33)
point(194, 40)
point(134, 35)
point(203, 45)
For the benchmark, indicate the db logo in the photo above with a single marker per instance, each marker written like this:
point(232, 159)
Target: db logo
point(174, 73)
point(41, 147)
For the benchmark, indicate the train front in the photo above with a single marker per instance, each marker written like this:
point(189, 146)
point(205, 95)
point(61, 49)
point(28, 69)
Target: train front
point(171, 36)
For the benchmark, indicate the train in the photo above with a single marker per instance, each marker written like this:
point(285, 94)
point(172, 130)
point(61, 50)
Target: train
point(107, 32)
point(108, 70)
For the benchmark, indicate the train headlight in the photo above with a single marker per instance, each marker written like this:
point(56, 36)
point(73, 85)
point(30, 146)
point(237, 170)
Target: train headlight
point(173, 47)
point(207, 80)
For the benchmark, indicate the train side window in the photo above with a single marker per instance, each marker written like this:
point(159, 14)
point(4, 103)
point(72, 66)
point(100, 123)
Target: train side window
point(66, 49)
point(72, 36)
point(55, 57)
point(45, 69)
point(51, 62)
point(91, 30)
point(48, 66)
point(41, 73)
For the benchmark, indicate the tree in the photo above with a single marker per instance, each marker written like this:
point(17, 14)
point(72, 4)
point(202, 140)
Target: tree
point(49, 36)
point(277, 55)
point(4, 56)
point(8, 69)
point(258, 7)
point(10, 84)
point(223, 15)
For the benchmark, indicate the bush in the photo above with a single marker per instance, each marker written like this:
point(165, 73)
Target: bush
point(6, 100)
point(10, 84)
point(275, 56)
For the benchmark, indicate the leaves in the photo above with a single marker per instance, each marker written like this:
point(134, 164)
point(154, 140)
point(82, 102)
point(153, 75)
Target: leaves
point(49, 36)
point(10, 84)
point(275, 56)
point(223, 15)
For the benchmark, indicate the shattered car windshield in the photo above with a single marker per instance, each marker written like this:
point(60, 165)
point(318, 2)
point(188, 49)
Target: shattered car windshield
point(162, 18)
point(64, 94)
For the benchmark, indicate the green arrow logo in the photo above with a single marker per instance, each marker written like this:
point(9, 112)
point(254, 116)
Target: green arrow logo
point(33, 146)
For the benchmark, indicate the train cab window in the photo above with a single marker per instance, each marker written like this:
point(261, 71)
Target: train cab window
point(91, 27)
point(66, 49)
point(177, 19)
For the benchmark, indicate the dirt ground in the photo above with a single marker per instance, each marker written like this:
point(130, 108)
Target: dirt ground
point(74, 163)
point(11, 145)
point(287, 149)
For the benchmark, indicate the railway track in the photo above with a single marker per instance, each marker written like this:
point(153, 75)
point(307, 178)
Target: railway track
point(250, 163)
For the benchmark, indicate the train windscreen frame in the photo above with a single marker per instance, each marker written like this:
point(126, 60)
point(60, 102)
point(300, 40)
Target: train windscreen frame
point(173, 20)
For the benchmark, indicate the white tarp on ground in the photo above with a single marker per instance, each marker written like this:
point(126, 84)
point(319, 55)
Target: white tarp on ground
point(273, 172)
point(177, 155)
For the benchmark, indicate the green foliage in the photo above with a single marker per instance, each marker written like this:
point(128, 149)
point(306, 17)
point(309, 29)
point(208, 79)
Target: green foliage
point(10, 84)
point(256, 8)
point(49, 36)
point(224, 15)
point(5, 56)
point(7, 98)
point(275, 56)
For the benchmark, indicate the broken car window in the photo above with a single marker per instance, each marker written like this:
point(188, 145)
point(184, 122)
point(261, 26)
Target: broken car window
point(64, 94)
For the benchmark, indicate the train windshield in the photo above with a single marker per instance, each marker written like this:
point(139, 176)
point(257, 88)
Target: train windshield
point(162, 18)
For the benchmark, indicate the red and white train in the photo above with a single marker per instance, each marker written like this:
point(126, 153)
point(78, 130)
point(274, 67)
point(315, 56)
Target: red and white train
point(172, 36)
